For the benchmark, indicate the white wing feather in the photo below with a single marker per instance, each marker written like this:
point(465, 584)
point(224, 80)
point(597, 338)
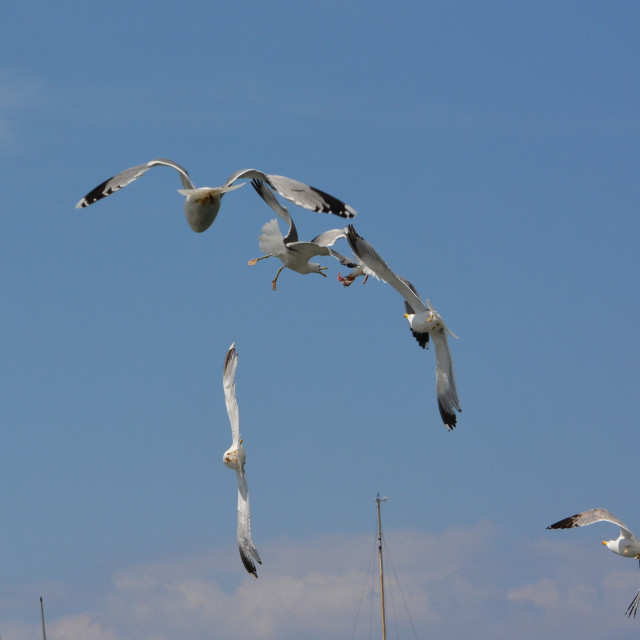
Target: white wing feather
point(248, 552)
point(129, 175)
point(297, 192)
point(229, 384)
point(590, 517)
point(372, 259)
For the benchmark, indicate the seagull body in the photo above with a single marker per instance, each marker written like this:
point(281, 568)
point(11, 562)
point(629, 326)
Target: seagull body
point(293, 254)
point(425, 322)
point(626, 544)
point(234, 458)
point(202, 204)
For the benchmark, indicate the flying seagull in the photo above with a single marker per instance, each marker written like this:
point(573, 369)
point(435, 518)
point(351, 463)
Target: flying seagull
point(424, 321)
point(626, 545)
point(202, 205)
point(358, 269)
point(294, 254)
point(234, 458)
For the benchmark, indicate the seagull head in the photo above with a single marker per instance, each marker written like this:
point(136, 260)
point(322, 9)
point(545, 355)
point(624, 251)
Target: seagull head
point(313, 267)
point(621, 546)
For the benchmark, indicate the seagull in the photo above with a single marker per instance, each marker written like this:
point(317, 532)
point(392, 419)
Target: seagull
point(424, 321)
point(202, 205)
point(234, 458)
point(295, 255)
point(358, 269)
point(626, 544)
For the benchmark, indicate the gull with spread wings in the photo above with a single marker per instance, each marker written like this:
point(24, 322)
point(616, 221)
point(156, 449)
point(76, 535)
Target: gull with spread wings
point(626, 544)
point(234, 458)
point(424, 320)
point(293, 253)
point(202, 204)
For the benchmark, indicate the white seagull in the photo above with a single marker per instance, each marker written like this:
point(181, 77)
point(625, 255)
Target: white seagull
point(234, 458)
point(295, 255)
point(626, 544)
point(424, 321)
point(202, 205)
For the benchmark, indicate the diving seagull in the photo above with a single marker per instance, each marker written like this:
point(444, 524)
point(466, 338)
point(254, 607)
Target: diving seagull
point(626, 544)
point(424, 322)
point(294, 254)
point(234, 458)
point(202, 205)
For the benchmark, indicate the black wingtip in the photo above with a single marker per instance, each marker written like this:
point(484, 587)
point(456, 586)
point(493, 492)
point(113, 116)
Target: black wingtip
point(229, 356)
point(566, 523)
point(96, 194)
point(423, 341)
point(448, 417)
point(334, 205)
point(248, 564)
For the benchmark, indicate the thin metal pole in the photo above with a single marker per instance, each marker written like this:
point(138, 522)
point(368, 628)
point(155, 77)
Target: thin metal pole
point(44, 633)
point(384, 622)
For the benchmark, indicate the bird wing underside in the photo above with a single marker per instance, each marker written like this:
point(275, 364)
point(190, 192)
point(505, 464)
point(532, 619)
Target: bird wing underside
point(129, 175)
point(229, 384)
point(372, 259)
point(248, 552)
point(269, 197)
point(446, 390)
point(590, 517)
point(297, 192)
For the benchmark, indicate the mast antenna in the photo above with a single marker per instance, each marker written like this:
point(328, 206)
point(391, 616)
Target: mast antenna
point(384, 622)
point(44, 633)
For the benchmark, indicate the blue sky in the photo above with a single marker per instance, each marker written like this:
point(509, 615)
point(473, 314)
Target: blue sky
point(491, 150)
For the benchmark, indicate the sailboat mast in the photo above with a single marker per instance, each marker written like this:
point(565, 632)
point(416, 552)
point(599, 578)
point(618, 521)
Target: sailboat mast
point(44, 633)
point(384, 622)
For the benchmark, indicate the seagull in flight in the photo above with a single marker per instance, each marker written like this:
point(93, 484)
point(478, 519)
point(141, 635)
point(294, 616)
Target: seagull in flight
point(234, 458)
point(202, 204)
point(626, 544)
point(294, 254)
point(425, 322)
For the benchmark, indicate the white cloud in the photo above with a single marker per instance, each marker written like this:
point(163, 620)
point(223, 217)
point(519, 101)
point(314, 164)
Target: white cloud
point(471, 582)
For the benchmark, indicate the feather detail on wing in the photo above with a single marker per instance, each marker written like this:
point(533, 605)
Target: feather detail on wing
point(372, 259)
point(268, 196)
point(248, 552)
point(229, 384)
point(446, 390)
point(297, 192)
point(590, 517)
point(129, 175)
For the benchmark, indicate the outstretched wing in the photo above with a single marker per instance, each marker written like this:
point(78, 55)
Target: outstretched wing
point(372, 259)
point(590, 517)
point(446, 391)
point(129, 175)
point(229, 384)
point(267, 195)
point(297, 192)
point(248, 552)
point(328, 239)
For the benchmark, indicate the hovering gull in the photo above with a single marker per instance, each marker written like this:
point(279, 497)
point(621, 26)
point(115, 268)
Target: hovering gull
point(424, 321)
point(294, 254)
point(234, 457)
point(202, 205)
point(626, 545)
